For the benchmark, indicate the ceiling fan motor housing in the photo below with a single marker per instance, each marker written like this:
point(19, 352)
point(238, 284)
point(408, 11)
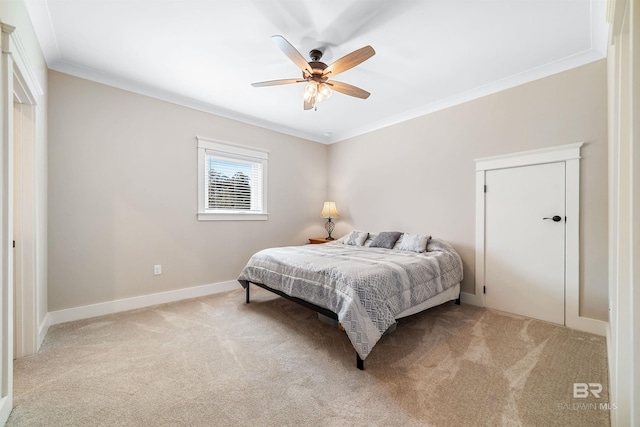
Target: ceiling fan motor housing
point(317, 67)
point(316, 72)
point(315, 55)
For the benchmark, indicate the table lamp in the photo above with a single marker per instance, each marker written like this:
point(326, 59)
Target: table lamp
point(329, 211)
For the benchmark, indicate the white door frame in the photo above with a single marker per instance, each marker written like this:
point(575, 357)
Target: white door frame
point(570, 155)
point(6, 229)
point(17, 83)
point(25, 256)
point(623, 78)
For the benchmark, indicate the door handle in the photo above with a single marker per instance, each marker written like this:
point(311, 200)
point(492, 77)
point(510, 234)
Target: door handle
point(555, 218)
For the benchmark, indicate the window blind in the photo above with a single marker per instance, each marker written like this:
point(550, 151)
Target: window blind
point(233, 184)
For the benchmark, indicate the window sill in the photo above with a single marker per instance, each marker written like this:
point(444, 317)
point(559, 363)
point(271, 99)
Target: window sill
point(208, 216)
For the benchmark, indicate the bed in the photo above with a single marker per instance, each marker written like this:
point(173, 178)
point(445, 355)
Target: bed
point(359, 284)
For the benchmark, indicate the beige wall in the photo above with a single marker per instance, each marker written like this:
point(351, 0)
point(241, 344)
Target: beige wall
point(122, 174)
point(419, 176)
point(122, 179)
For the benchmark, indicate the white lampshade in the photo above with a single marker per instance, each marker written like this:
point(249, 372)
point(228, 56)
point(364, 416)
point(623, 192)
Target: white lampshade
point(329, 210)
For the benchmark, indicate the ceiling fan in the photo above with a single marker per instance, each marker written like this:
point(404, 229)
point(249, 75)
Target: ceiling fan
point(316, 74)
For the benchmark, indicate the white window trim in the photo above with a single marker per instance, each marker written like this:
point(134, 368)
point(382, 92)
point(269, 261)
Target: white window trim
point(225, 148)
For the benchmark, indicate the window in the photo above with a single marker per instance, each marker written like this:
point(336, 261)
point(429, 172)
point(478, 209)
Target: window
point(232, 181)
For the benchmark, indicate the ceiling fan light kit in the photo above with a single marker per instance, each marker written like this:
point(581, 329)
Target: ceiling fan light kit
point(316, 74)
point(316, 92)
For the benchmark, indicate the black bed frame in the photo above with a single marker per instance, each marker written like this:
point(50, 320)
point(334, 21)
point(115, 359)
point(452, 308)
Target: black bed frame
point(324, 311)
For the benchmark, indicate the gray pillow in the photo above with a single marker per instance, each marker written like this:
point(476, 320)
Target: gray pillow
point(386, 239)
point(413, 242)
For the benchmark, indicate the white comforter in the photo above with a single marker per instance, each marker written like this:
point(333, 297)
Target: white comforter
point(366, 287)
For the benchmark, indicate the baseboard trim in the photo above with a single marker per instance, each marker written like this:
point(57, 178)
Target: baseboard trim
point(6, 405)
point(473, 299)
point(586, 324)
point(42, 330)
point(117, 306)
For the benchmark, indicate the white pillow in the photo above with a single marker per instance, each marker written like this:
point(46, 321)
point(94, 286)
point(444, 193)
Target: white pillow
point(413, 242)
point(355, 238)
point(367, 242)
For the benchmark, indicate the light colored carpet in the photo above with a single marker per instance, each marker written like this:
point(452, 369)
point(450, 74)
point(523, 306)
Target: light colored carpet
point(214, 361)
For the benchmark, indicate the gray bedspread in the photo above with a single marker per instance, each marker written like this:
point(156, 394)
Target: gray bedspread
point(366, 287)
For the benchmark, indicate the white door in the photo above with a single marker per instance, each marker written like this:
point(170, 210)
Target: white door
point(524, 243)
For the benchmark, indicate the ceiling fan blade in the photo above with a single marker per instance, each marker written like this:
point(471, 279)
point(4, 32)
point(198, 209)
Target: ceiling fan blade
point(348, 89)
point(277, 82)
point(292, 53)
point(349, 61)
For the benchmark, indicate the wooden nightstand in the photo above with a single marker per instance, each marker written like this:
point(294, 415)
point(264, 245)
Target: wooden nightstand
point(318, 240)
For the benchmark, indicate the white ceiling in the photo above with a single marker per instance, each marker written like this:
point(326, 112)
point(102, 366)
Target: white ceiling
point(429, 54)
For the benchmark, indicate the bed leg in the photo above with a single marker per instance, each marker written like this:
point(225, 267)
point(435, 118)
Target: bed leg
point(359, 362)
point(247, 288)
point(457, 300)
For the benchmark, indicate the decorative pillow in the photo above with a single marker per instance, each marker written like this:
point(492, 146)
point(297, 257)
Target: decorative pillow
point(398, 242)
point(386, 239)
point(355, 238)
point(370, 239)
point(413, 242)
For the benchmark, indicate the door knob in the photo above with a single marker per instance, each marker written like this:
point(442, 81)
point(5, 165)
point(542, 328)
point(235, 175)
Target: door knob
point(555, 218)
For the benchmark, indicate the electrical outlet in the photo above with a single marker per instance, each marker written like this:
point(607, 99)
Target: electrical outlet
point(157, 269)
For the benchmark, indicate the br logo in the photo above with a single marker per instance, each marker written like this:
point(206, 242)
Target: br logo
point(582, 390)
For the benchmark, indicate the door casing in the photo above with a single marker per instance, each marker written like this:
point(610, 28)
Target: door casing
point(570, 154)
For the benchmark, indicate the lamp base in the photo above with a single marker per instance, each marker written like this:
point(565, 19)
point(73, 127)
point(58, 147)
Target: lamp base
point(329, 227)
